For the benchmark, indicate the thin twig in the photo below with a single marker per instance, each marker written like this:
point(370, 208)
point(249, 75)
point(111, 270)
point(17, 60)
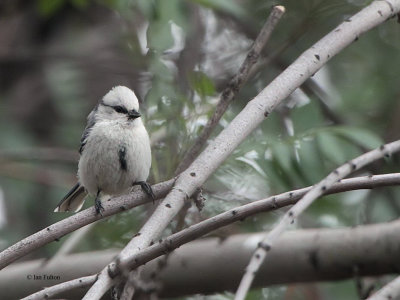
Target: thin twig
point(78, 220)
point(266, 245)
point(129, 287)
point(239, 213)
point(57, 289)
point(233, 87)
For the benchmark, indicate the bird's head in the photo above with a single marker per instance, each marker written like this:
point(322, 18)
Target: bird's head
point(119, 104)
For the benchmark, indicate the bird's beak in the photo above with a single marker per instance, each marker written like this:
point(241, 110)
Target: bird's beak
point(133, 114)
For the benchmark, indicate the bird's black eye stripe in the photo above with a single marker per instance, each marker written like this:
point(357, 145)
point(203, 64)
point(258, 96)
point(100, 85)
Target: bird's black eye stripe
point(120, 109)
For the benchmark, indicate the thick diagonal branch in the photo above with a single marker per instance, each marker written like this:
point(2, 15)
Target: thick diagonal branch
point(244, 123)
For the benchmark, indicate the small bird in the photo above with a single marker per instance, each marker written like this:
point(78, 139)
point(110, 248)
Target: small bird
point(114, 152)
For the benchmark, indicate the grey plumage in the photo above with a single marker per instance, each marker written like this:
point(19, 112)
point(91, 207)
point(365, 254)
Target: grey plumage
point(91, 120)
point(115, 151)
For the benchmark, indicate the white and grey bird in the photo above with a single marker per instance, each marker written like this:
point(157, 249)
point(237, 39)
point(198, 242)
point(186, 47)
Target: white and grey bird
point(114, 152)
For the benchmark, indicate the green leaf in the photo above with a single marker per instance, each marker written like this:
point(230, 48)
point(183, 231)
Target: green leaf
point(146, 7)
point(309, 161)
point(253, 164)
point(331, 147)
point(362, 137)
point(282, 154)
point(202, 84)
point(159, 37)
point(307, 117)
point(161, 14)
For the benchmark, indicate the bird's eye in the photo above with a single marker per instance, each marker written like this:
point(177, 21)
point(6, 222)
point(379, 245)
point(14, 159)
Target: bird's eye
point(120, 109)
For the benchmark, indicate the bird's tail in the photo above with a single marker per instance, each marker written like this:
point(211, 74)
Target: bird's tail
point(74, 200)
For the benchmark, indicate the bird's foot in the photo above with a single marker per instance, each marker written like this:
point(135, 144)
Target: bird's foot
point(97, 205)
point(146, 188)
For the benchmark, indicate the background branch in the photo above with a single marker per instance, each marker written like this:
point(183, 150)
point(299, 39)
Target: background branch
point(47, 176)
point(69, 245)
point(43, 154)
point(239, 213)
point(215, 265)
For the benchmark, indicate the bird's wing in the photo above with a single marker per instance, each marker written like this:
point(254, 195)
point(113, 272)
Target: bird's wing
point(91, 121)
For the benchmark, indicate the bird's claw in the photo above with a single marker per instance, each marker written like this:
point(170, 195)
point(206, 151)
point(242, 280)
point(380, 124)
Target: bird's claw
point(147, 189)
point(98, 206)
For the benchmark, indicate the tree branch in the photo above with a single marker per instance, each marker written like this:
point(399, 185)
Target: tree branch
point(239, 213)
point(233, 87)
point(243, 124)
point(71, 243)
point(161, 217)
point(78, 220)
point(268, 242)
point(54, 290)
point(214, 265)
point(389, 291)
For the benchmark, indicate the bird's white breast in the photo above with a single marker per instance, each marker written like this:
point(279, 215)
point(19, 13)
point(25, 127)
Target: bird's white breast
point(100, 163)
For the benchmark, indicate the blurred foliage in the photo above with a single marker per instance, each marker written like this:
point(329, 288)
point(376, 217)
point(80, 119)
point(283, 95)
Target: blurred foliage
point(60, 56)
